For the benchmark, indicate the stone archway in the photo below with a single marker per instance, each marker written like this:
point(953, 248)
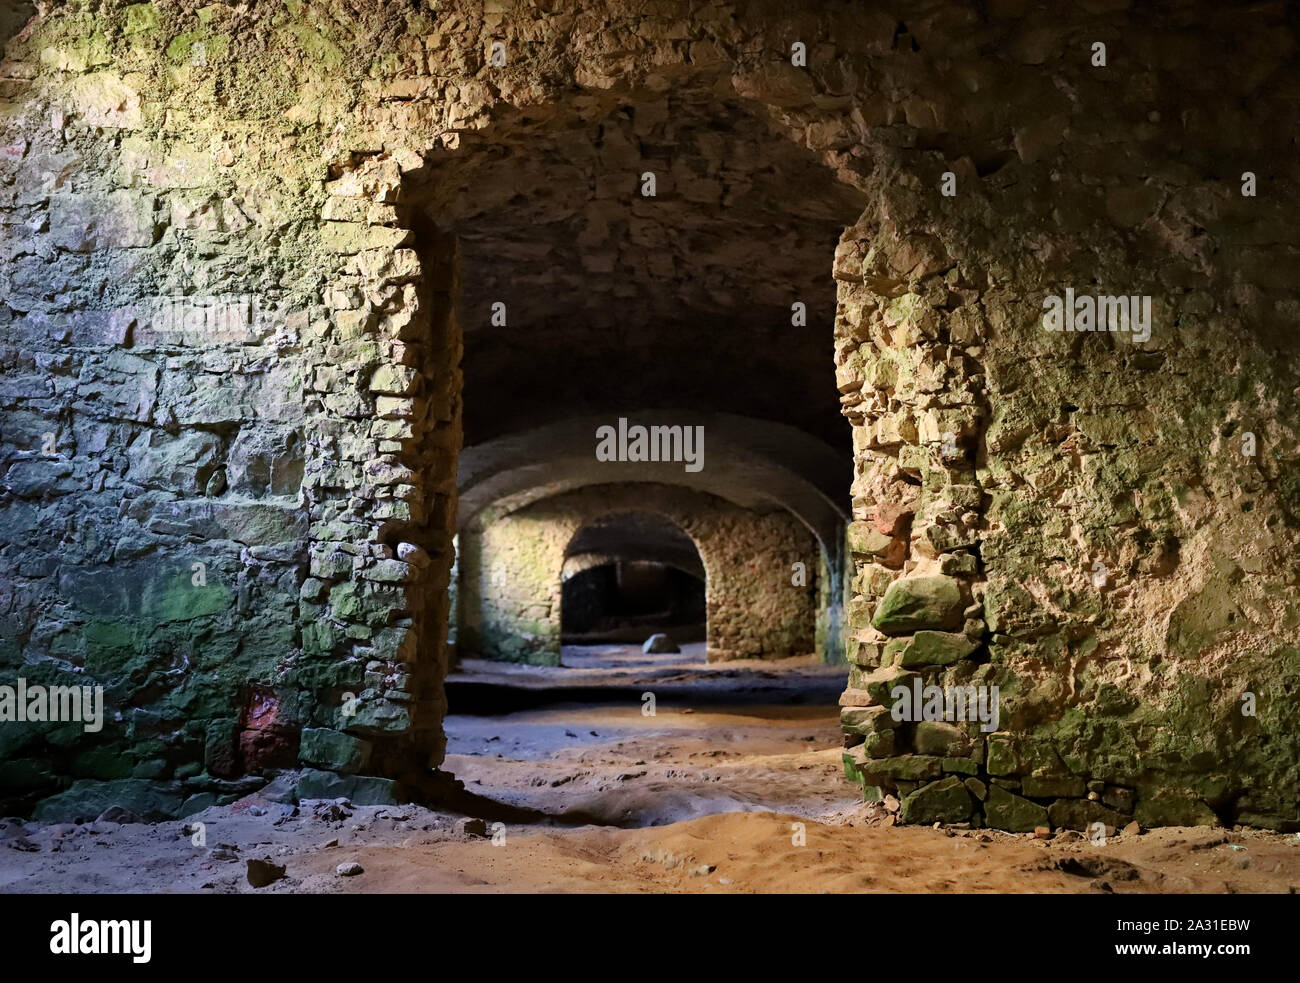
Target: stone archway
point(1132, 562)
point(628, 575)
point(952, 386)
point(511, 563)
point(531, 187)
point(753, 464)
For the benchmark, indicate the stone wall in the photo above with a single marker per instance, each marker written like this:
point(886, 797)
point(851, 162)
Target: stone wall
point(511, 567)
point(1078, 518)
point(227, 341)
point(1094, 526)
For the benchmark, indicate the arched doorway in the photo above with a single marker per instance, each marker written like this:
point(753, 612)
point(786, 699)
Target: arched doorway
point(557, 705)
point(630, 576)
point(635, 252)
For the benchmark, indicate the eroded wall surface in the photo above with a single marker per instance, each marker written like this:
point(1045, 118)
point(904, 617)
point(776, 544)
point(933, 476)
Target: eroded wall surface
point(511, 565)
point(1099, 525)
point(215, 297)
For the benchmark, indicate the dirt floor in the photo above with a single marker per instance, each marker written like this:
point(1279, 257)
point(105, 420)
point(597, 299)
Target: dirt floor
point(740, 737)
point(734, 785)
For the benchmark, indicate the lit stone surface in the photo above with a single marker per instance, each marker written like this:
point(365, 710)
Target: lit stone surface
point(334, 220)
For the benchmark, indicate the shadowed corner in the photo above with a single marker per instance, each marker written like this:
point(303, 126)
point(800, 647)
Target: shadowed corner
point(14, 17)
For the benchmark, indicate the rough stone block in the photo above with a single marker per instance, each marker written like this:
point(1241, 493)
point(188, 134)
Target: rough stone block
point(1069, 787)
point(1171, 807)
point(935, 648)
point(944, 801)
point(904, 767)
point(1081, 813)
point(358, 789)
point(936, 737)
point(918, 603)
point(86, 799)
point(333, 751)
point(866, 720)
point(1004, 810)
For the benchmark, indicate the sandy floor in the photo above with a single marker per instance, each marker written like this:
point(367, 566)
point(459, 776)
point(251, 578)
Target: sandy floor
point(734, 785)
point(410, 849)
point(742, 737)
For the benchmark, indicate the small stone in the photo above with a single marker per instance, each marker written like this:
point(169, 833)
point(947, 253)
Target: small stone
point(263, 872)
point(331, 812)
point(349, 868)
point(658, 644)
point(704, 870)
point(1132, 829)
point(472, 827)
point(1043, 832)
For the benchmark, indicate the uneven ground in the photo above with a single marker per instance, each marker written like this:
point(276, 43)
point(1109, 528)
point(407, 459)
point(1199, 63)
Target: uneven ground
point(594, 795)
point(738, 737)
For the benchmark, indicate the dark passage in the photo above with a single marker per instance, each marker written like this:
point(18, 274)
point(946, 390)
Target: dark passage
point(623, 600)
